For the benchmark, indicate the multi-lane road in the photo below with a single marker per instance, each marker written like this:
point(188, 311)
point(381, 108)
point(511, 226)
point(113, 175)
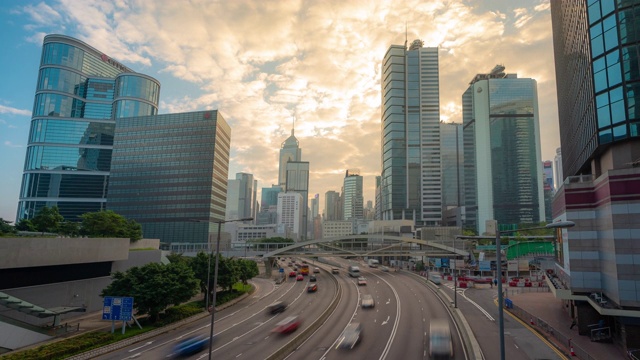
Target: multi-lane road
point(396, 328)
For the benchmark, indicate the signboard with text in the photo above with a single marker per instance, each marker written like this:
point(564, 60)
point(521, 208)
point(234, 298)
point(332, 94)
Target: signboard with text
point(117, 308)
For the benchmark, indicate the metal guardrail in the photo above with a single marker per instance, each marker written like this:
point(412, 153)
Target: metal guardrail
point(549, 330)
point(634, 354)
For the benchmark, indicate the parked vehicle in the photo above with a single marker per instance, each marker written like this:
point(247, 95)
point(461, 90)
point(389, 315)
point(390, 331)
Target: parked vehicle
point(354, 271)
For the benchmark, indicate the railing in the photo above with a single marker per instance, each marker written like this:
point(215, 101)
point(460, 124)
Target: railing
point(550, 331)
point(634, 354)
point(599, 333)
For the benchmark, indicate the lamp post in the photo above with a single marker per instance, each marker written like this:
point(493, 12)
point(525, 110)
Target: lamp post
point(555, 225)
point(215, 275)
point(455, 277)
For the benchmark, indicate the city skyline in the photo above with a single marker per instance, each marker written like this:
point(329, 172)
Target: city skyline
point(261, 71)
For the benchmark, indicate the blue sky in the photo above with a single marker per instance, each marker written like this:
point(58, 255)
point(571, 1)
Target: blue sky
point(262, 63)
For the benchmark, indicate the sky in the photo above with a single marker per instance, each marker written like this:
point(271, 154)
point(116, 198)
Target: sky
point(264, 63)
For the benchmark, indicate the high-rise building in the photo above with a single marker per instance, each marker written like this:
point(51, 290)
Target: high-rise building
point(290, 215)
point(597, 64)
point(411, 186)
point(502, 155)
point(558, 179)
point(80, 94)
point(331, 206)
point(298, 181)
point(240, 197)
point(169, 171)
point(352, 205)
point(452, 152)
point(268, 205)
point(289, 151)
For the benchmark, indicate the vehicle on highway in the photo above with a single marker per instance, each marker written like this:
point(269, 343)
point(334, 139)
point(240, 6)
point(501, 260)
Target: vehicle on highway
point(312, 288)
point(304, 269)
point(312, 278)
point(351, 336)
point(362, 281)
point(191, 345)
point(354, 271)
point(277, 307)
point(367, 301)
point(299, 278)
point(440, 344)
point(292, 274)
point(288, 325)
point(316, 270)
point(335, 270)
point(384, 268)
point(373, 263)
point(435, 278)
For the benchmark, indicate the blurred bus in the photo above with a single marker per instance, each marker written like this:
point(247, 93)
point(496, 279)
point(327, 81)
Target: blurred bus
point(304, 269)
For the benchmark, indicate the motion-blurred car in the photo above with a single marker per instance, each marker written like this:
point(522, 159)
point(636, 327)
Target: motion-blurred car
point(191, 345)
point(367, 301)
point(299, 278)
point(384, 268)
point(312, 288)
point(312, 278)
point(316, 270)
point(440, 345)
point(287, 325)
point(351, 336)
point(292, 274)
point(335, 271)
point(277, 307)
point(362, 281)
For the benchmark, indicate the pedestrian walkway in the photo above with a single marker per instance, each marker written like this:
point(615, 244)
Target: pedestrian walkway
point(543, 312)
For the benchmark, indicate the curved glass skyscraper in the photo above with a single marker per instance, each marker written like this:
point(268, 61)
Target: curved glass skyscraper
point(81, 94)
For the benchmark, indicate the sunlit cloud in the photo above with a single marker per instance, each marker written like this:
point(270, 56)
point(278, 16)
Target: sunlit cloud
point(9, 110)
point(12, 145)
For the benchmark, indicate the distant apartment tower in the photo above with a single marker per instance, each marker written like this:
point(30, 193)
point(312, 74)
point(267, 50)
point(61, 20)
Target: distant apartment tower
point(352, 195)
point(332, 206)
point(411, 186)
point(598, 84)
point(452, 154)
point(290, 215)
point(241, 193)
point(502, 156)
point(269, 205)
point(557, 169)
point(547, 171)
point(169, 173)
point(80, 95)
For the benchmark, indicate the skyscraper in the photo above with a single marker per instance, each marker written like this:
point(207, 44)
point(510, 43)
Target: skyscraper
point(240, 197)
point(452, 173)
point(298, 181)
point(502, 155)
point(169, 170)
point(290, 215)
point(289, 151)
point(411, 186)
point(80, 95)
point(558, 178)
point(353, 207)
point(598, 83)
point(331, 205)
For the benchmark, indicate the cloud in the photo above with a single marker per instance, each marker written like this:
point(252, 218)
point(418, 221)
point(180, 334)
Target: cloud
point(12, 145)
point(262, 63)
point(9, 110)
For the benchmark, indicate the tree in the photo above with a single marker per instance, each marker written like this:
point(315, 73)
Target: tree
point(110, 224)
point(228, 273)
point(69, 228)
point(247, 269)
point(6, 227)
point(173, 258)
point(25, 225)
point(154, 286)
point(47, 219)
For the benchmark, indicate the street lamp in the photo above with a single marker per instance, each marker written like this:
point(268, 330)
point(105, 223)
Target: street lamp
point(555, 225)
point(215, 275)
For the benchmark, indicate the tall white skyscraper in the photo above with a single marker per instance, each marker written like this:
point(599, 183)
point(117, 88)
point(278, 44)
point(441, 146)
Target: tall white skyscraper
point(290, 215)
point(352, 196)
point(558, 179)
point(289, 151)
point(411, 186)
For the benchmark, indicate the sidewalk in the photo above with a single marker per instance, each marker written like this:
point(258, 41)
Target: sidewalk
point(550, 318)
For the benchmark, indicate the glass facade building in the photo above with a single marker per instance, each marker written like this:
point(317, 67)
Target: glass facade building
point(353, 200)
point(451, 150)
point(169, 171)
point(502, 155)
point(411, 186)
point(81, 95)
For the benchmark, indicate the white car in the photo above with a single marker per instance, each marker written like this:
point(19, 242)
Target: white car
point(362, 281)
point(367, 301)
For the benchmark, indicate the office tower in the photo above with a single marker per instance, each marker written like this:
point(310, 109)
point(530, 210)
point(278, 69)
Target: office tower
point(352, 195)
point(170, 171)
point(502, 156)
point(598, 85)
point(268, 205)
point(80, 94)
point(315, 219)
point(297, 180)
point(411, 187)
point(547, 171)
point(378, 208)
point(331, 205)
point(289, 151)
point(452, 151)
point(290, 215)
point(557, 169)
point(240, 197)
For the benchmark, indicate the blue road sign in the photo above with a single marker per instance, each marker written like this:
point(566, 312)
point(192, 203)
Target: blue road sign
point(281, 270)
point(117, 308)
